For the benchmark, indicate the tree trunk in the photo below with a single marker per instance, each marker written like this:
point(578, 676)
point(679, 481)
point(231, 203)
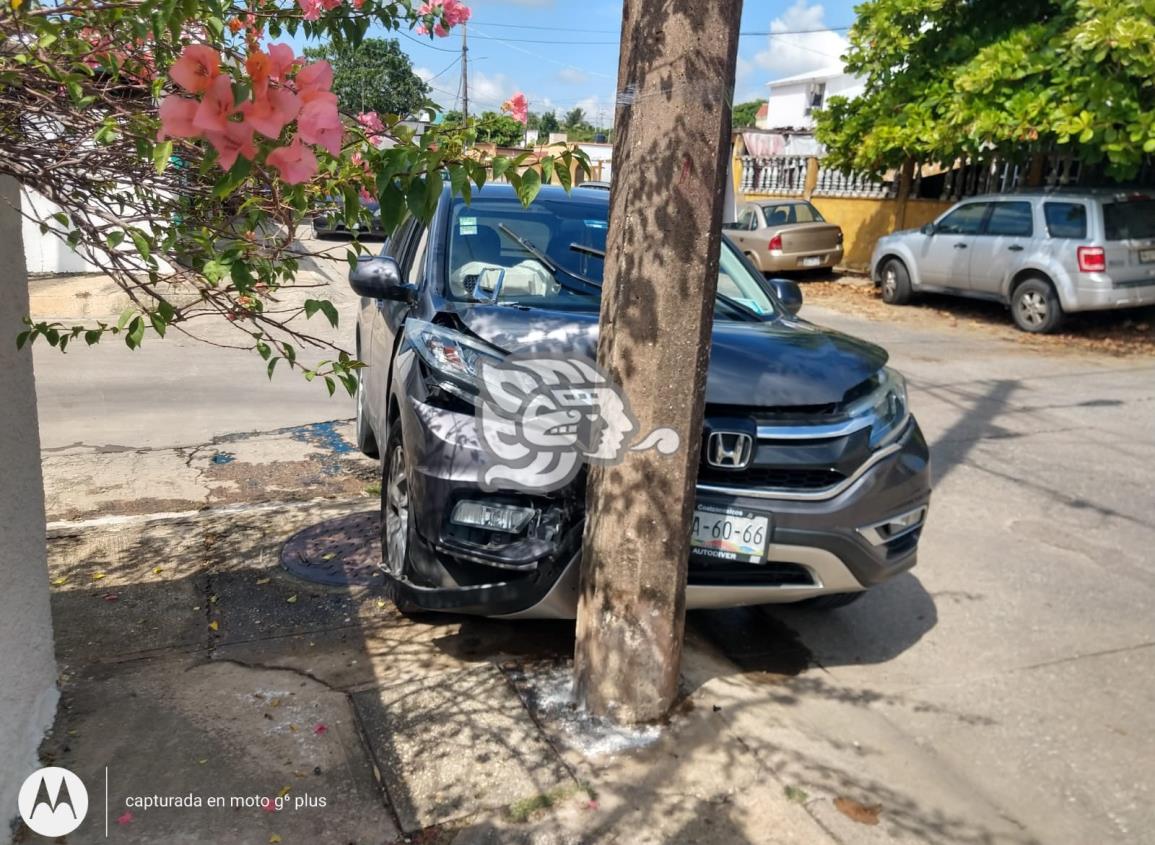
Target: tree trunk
point(672, 131)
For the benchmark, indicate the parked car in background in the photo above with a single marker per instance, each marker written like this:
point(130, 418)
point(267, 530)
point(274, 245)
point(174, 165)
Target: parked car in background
point(1043, 253)
point(329, 219)
point(814, 480)
point(785, 235)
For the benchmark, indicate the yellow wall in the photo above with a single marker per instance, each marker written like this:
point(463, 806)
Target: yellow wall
point(864, 221)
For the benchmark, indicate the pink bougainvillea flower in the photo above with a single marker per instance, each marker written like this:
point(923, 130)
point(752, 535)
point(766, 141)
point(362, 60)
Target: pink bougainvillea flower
point(319, 122)
point(216, 107)
point(371, 121)
point(281, 60)
point(317, 76)
point(176, 118)
point(260, 68)
point(330, 5)
point(357, 4)
point(449, 13)
point(196, 69)
point(236, 140)
point(272, 113)
point(518, 106)
point(311, 8)
point(295, 163)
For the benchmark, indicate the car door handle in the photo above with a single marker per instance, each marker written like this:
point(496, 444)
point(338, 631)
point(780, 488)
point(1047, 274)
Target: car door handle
point(1015, 248)
point(960, 246)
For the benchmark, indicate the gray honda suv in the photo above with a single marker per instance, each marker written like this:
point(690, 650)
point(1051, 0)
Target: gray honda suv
point(1043, 253)
point(814, 477)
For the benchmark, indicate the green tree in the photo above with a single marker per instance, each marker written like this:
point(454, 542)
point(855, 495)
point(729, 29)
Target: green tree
point(548, 122)
point(952, 78)
point(500, 129)
point(374, 75)
point(575, 118)
point(745, 113)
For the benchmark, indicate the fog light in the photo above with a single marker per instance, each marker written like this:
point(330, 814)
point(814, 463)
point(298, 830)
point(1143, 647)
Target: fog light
point(506, 518)
point(884, 532)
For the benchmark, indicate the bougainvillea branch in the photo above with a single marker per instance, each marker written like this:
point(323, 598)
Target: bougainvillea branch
point(184, 145)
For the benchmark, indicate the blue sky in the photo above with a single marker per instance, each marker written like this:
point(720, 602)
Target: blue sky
point(556, 70)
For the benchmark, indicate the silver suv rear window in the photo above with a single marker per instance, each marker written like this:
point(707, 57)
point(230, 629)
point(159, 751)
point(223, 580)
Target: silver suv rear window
point(1124, 221)
point(1066, 219)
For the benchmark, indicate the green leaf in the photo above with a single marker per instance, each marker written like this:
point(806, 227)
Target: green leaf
point(529, 187)
point(312, 306)
point(499, 166)
point(22, 339)
point(92, 336)
point(125, 316)
point(272, 366)
point(161, 154)
point(330, 385)
point(158, 323)
point(114, 239)
point(140, 241)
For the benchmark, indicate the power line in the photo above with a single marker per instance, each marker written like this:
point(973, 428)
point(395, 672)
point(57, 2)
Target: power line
point(448, 67)
point(811, 31)
point(424, 43)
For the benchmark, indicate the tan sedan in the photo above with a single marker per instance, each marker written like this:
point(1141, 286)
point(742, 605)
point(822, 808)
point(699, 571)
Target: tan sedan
point(782, 235)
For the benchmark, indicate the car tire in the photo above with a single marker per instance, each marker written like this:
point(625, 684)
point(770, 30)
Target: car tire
point(366, 438)
point(1035, 307)
point(395, 519)
point(832, 601)
point(895, 283)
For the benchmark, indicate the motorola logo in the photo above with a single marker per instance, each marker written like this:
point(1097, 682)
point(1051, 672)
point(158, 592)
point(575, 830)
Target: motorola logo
point(53, 802)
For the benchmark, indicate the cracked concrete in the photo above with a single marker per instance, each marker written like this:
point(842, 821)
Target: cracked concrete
point(289, 464)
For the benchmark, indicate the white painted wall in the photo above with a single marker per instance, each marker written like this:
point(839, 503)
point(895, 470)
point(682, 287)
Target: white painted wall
point(47, 253)
point(28, 693)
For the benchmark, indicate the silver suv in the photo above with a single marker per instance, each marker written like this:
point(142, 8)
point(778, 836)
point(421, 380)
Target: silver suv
point(1043, 253)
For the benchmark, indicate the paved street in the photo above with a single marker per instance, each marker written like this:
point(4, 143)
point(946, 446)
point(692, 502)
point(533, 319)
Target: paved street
point(1000, 692)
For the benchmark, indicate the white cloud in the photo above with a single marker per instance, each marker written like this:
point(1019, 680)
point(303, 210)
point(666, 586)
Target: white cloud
point(572, 76)
point(423, 73)
point(786, 55)
point(488, 91)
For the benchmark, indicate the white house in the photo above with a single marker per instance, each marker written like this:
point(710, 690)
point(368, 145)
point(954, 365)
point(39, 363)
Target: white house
point(791, 102)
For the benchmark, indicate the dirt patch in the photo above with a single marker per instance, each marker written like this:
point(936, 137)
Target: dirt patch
point(1119, 333)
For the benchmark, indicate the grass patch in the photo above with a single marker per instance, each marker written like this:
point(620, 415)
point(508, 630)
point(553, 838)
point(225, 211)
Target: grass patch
point(523, 810)
point(796, 794)
point(373, 490)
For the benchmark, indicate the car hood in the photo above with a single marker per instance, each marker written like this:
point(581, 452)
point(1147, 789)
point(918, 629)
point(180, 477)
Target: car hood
point(773, 364)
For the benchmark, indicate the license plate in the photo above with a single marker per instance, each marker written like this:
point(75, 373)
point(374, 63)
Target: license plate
point(729, 534)
point(1147, 256)
point(812, 261)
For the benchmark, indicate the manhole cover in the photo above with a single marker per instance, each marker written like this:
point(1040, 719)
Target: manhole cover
point(344, 552)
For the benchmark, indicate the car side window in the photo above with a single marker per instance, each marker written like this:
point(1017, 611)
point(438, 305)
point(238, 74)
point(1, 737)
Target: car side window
point(965, 220)
point(806, 213)
point(1066, 219)
point(415, 257)
point(748, 221)
point(1013, 219)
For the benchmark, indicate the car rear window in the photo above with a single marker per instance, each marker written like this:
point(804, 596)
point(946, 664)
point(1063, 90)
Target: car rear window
point(1066, 219)
point(1123, 221)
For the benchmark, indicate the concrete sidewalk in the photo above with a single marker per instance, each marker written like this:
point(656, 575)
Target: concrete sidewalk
point(193, 667)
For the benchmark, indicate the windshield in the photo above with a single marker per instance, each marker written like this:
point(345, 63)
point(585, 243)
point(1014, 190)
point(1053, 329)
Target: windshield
point(550, 255)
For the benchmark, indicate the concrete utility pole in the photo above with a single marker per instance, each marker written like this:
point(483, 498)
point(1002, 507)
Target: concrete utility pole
point(465, 74)
point(671, 148)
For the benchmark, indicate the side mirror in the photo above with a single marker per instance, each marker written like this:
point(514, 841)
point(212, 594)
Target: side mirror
point(379, 277)
point(789, 294)
point(928, 229)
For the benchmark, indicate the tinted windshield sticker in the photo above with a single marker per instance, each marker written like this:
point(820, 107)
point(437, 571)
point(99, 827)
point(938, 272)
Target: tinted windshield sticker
point(597, 224)
point(467, 225)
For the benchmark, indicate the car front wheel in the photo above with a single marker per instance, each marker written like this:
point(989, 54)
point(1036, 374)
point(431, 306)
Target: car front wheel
point(395, 517)
point(1035, 307)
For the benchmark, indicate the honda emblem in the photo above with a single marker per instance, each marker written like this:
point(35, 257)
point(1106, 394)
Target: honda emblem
point(729, 449)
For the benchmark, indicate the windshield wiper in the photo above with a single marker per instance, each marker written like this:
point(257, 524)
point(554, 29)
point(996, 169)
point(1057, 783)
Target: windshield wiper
point(549, 263)
point(728, 301)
